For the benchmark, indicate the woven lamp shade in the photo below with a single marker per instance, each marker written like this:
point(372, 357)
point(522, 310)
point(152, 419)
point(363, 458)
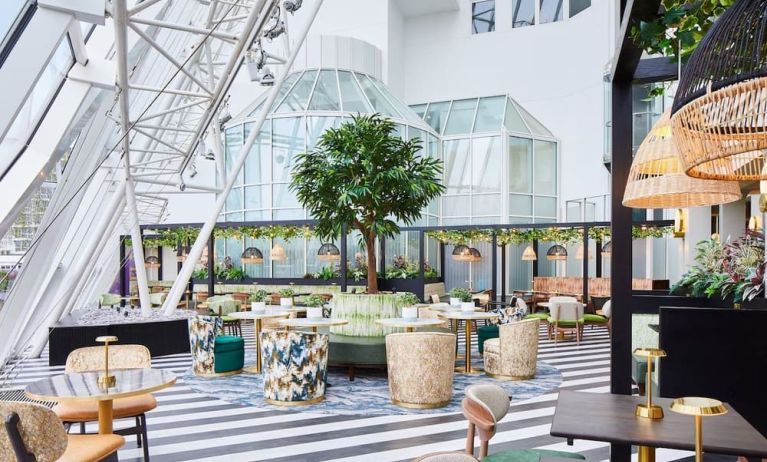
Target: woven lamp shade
point(719, 117)
point(657, 180)
point(529, 254)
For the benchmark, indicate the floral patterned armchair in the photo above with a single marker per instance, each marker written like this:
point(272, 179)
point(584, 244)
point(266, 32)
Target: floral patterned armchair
point(295, 367)
point(212, 352)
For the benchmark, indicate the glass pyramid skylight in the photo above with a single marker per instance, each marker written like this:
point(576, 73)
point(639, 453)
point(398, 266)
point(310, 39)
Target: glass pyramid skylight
point(331, 90)
point(480, 115)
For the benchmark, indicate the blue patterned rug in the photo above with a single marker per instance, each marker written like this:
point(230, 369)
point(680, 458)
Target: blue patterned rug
point(368, 394)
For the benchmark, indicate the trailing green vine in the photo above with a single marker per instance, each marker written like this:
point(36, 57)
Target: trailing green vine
point(559, 235)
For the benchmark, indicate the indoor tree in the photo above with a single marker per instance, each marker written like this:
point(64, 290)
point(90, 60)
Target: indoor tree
point(365, 176)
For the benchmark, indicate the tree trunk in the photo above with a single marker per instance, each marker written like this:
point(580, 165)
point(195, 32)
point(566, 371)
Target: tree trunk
point(370, 243)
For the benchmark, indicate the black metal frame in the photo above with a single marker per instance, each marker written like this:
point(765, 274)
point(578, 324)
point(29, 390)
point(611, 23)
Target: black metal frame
point(343, 281)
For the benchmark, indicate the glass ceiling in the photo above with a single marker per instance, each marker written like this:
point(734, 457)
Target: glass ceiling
point(331, 90)
point(478, 115)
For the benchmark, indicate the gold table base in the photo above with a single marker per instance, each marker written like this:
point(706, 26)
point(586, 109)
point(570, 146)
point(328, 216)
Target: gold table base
point(646, 454)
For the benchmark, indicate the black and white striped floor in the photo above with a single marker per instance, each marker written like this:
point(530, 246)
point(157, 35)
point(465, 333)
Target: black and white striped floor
point(188, 426)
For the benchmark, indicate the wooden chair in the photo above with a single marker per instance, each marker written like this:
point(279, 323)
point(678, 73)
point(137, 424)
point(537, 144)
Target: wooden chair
point(484, 406)
point(33, 433)
point(120, 357)
point(565, 314)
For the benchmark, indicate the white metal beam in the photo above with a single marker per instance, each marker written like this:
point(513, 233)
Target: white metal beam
point(182, 279)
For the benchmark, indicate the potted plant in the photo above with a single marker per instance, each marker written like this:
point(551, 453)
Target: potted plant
point(461, 296)
point(286, 297)
point(409, 311)
point(258, 300)
point(314, 303)
point(364, 176)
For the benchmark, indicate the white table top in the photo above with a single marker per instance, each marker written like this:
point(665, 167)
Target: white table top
point(84, 385)
point(410, 322)
point(458, 314)
point(262, 315)
point(546, 304)
point(444, 307)
point(312, 322)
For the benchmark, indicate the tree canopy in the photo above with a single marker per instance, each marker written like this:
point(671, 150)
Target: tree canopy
point(365, 176)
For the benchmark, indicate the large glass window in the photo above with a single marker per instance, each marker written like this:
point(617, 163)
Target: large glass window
point(524, 13)
point(35, 105)
point(545, 172)
point(457, 167)
point(258, 165)
point(482, 16)
point(489, 114)
point(436, 115)
point(551, 10)
point(325, 97)
point(232, 145)
point(576, 6)
point(461, 117)
point(351, 96)
point(9, 15)
point(520, 165)
point(299, 95)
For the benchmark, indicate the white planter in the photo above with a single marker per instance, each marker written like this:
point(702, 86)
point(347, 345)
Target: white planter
point(455, 301)
point(410, 312)
point(467, 307)
point(286, 301)
point(258, 307)
point(314, 312)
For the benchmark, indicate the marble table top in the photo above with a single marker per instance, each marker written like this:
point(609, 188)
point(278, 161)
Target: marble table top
point(84, 385)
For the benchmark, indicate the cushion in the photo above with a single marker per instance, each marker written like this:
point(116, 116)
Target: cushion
point(543, 316)
point(594, 318)
point(485, 333)
point(565, 323)
point(529, 455)
point(511, 312)
point(493, 346)
point(229, 319)
point(226, 343)
point(88, 410)
point(607, 308)
point(347, 349)
point(91, 448)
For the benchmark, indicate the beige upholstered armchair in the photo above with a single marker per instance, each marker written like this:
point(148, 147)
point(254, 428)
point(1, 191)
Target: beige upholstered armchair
point(413, 356)
point(514, 353)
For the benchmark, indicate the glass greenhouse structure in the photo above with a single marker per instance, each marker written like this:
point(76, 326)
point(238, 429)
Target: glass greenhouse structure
point(500, 166)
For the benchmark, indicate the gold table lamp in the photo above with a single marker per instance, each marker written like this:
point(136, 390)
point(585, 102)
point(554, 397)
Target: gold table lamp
point(649, 410)
point(106, 380)
point(698, 407)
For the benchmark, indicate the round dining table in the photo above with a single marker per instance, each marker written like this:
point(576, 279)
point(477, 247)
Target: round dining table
point(84, 386)
point(470, 317)
point(410, 324)
point(257, 317)
point(313, 323)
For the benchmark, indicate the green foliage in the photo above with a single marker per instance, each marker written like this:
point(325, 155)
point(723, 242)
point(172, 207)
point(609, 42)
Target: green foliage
point(285, 233)
point(516, 236)
point(286, 293)
point(200, 273)
point(365, 176)
point(230, 274)
point(258, 296)
point(314, 301)
point(734, 270)
point(409, 299)
point(4, 282)
point(327, 273)
point(461, 293)
point(678, 27)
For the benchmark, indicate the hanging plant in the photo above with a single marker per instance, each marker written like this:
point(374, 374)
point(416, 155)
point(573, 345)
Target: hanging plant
point(642, 232)
point(600, 234)
point(455, 237)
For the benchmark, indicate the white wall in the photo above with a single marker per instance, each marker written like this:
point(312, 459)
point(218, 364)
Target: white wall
point(554, 70)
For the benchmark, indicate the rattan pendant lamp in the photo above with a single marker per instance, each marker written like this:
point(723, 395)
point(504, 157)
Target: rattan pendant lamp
point(719, 116)
point(657, 180)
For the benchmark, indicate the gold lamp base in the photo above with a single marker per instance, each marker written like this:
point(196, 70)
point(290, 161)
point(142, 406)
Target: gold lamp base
point(652, 411)
point(107, 381)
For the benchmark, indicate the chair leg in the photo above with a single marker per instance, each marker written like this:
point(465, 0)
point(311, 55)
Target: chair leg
point(470, 440)
point(82, 428)
point(483, 449)
point(138, 433)
point(144, 437)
